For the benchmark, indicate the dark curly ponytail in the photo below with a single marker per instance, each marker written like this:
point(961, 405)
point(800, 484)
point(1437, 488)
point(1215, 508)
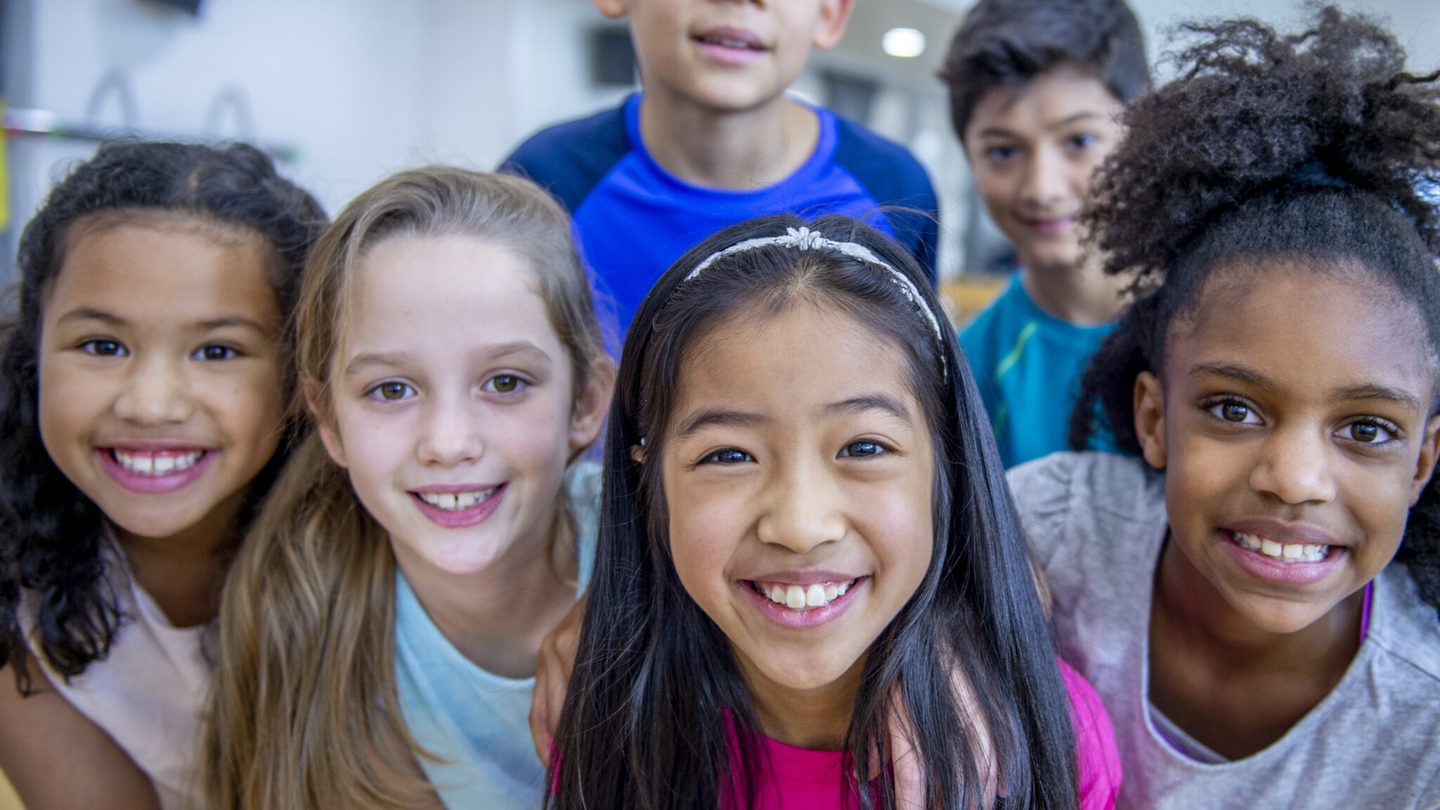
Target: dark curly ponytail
point(50, 533)
point(1315, 146)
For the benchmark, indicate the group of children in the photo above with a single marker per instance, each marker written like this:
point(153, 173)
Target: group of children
point(289, 508)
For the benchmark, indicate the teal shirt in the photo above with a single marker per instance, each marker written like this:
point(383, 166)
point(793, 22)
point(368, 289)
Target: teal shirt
point(1027, 364)
point(475, 721)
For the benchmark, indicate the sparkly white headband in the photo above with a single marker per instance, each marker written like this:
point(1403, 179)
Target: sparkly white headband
point(803, 238)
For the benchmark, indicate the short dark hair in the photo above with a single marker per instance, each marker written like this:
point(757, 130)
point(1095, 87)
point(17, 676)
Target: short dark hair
point(1010, 42)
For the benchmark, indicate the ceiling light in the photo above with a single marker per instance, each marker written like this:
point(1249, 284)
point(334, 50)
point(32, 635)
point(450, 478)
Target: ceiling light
point(903, 42)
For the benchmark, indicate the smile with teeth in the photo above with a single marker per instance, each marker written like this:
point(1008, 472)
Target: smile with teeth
point(1288, 552)
point(456, 501)
point(156, 464)
point(802, 597)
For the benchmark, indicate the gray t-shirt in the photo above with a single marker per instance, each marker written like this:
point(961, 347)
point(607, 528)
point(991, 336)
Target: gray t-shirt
point(1098, 523)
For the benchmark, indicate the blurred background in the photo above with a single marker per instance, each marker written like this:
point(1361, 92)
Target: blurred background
point(344, 92)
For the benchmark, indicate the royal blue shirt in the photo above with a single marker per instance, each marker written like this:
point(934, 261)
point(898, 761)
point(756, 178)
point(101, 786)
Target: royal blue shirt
point(634, 219)
point(1027, 364)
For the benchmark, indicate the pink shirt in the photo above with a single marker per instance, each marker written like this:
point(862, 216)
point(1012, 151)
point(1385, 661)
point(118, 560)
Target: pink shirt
point(802, 779)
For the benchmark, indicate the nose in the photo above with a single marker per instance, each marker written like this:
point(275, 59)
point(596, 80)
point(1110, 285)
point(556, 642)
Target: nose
point(1295, 467)
point(1045, 183)
point(802, 508)
point(156, 392)
point(450, 434)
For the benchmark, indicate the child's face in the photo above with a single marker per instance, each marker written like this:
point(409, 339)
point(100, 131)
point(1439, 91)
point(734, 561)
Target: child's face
point(727, 55)
point(452, 404)
point(161, 393)
point(798, 465)
point(1033, 151)
point(1295, 411)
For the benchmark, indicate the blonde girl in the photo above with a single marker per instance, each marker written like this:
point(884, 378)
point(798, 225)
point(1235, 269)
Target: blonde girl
point(381, 628)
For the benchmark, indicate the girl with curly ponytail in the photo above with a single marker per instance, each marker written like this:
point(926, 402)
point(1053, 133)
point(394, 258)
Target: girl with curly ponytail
point(143, 388)
point(1230, 592)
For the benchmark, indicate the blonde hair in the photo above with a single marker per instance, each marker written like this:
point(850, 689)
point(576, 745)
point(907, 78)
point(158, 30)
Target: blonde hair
point(305, 707)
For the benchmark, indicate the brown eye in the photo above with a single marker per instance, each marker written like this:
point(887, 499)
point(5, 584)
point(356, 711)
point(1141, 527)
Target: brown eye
point(391, 391)
point(1233, 412)
point(505, 383)
point(1362, 432)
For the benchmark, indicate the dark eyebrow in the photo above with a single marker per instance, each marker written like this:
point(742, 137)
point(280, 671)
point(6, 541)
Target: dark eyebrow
point(228, 321)
point(718, 416)
point(1375, 392)
point(1001, 132)
point(92, 314)
point(361, 362)
point(1238, 373)
point(870, 402)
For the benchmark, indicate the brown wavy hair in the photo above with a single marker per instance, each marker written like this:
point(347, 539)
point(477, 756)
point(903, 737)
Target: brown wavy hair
point(304, 711)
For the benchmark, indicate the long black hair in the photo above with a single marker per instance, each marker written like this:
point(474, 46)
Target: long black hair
point(1314, 146)
point(642, 725)
point(51, 534)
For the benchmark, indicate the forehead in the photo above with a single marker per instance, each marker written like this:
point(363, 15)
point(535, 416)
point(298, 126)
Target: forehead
point(159, 266)
point(1313, 331)
point(1053, 96)
point(793, 362)
point(450, 291)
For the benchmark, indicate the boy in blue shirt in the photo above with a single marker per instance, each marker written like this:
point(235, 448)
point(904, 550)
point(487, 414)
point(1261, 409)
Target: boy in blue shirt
point(713, 140)
point(1035, 90)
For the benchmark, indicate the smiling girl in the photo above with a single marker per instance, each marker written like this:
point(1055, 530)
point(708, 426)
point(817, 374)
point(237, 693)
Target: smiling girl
point(380, 629)
point(1232, 594)
point(806, 539)
point(142, 403)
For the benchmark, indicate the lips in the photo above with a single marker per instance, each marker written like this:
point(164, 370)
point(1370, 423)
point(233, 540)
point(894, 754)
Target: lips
point(802, 600)
point(456, 506)
point(1287, 554)
point(1049, 227)
point(730, 46)
point(155, 468)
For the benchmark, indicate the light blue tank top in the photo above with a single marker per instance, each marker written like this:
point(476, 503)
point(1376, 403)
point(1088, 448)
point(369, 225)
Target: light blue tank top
point(477, 722)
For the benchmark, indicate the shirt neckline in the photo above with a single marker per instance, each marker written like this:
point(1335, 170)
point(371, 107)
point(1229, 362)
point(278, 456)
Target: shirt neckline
point(806, 173)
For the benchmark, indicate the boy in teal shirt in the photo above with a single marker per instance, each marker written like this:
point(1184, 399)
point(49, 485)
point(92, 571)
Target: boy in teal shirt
point(1036, 88)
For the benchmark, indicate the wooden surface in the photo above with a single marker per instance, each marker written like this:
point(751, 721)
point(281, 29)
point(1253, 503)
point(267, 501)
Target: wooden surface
point(966, 295)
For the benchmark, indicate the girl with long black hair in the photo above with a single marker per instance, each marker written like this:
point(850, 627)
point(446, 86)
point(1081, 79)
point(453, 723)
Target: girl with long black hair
point(805, 541)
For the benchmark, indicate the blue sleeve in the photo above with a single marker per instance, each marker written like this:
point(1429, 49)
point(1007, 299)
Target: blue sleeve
point(894, 178)
point(570, 159)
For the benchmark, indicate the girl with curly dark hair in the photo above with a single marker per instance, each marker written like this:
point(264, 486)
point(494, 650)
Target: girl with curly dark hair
point(143, 392)
point(1230, 591)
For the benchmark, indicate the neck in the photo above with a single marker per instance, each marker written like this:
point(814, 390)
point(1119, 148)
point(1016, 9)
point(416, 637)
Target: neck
point(727, 149)
point(1080, 294)
point(1233, 686)
point(184, 572)
point(497, 616)
point(816, 718)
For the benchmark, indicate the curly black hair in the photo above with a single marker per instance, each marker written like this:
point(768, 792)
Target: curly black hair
point(1317, 145)
point(1010, 42)
point(50, 533)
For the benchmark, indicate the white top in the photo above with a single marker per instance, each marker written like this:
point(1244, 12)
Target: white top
point(1098, 524)
point(149, 691)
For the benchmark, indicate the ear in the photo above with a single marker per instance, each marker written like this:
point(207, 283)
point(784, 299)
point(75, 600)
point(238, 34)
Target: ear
point(315, 401)
point(1429, 452)
point(637, 454)
point(614, 9)
point(588, 414)
point(829, 26)
point(1150, 418)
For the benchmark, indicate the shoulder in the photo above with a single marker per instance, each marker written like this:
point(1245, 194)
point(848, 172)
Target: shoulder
point(895, 180)
point(570, 159)
point(885, 168)
point(994, 326)
point(1089, 494)
point(1407, 629)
